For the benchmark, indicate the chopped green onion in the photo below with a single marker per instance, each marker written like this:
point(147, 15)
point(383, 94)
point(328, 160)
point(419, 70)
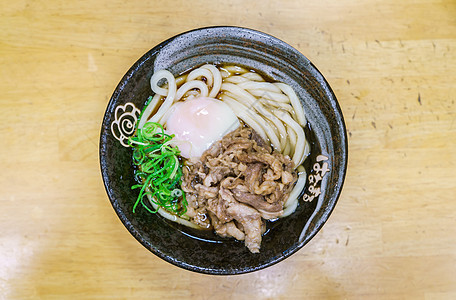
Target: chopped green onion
point(159, 170)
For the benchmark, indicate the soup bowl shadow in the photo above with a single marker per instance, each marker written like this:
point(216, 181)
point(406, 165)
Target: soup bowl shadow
point(203, 251)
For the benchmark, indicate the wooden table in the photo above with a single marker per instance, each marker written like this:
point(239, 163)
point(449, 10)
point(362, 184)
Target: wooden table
point(392, 65)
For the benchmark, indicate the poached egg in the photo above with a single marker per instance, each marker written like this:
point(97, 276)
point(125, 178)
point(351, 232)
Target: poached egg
point(199, 122)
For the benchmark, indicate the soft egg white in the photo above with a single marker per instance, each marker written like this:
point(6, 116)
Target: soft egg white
point(199, 122)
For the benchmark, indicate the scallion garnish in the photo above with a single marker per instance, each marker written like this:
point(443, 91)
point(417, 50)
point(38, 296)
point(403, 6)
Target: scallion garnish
point(159, 170)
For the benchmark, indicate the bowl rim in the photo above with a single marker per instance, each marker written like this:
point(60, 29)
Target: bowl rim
point(133, 231)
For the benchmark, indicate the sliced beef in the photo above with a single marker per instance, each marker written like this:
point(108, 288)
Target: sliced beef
point(238, 182)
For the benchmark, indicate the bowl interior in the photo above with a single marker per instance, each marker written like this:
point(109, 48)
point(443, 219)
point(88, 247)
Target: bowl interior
point(202, 251)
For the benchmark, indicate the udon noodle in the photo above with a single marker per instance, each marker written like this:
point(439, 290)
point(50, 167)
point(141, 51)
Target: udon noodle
point(271, 109)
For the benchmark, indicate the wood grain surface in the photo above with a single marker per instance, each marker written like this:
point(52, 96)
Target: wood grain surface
point(392, 66)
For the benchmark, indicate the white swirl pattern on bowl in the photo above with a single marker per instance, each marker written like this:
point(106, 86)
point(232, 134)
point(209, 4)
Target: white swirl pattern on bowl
point(123, 125)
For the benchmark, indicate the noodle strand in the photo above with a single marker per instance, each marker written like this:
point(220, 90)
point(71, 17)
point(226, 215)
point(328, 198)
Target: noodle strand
point(170, 93)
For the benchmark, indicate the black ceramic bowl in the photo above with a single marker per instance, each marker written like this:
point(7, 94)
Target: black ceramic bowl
point(202, 251)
